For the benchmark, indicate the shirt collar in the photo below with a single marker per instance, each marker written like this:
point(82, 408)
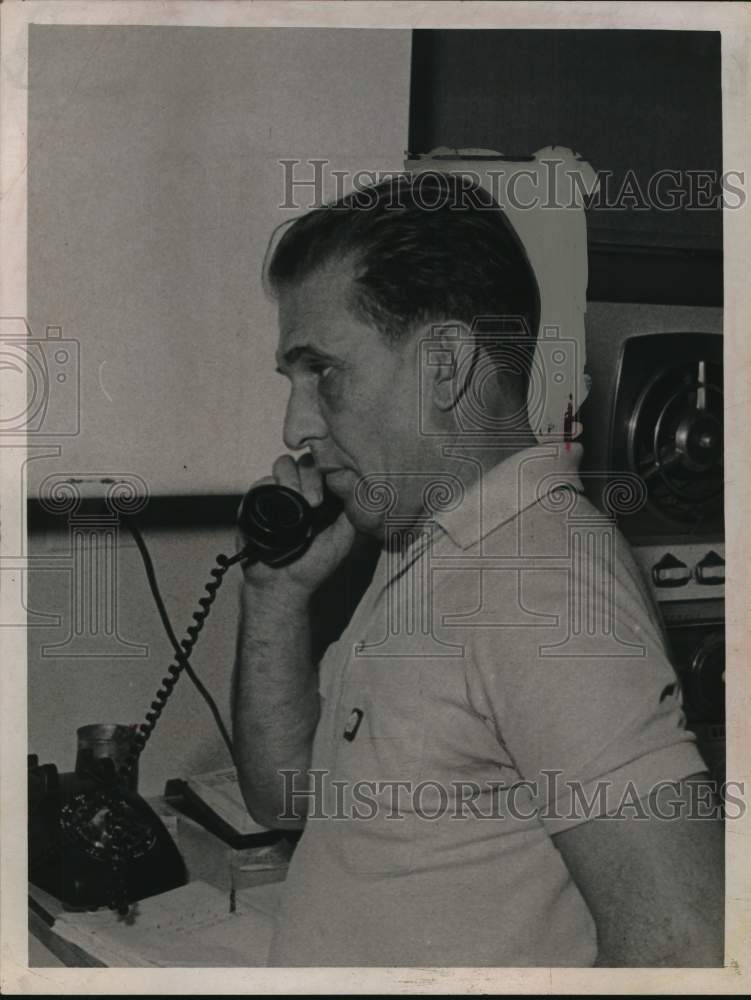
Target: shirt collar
point(505, 490)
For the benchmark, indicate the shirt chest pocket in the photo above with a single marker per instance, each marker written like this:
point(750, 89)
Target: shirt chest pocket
point(380, 734)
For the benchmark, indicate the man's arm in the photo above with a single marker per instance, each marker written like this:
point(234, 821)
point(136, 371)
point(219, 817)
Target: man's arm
point(655, 887)
point(275, 702)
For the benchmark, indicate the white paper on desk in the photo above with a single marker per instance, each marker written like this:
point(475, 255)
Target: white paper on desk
point(187, 927)
point(220, 791)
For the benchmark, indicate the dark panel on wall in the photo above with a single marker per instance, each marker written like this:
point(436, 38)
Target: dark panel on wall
point(661, 276)
point(640, 101)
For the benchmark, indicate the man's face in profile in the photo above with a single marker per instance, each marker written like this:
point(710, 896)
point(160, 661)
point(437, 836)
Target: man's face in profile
point(354, 397)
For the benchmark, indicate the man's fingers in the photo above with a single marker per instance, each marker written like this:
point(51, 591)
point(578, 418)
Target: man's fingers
point(301, 476)
point(286, 474)
point(266, 481)
point(310, 480)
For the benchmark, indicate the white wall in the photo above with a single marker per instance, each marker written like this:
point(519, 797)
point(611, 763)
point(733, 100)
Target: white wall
point(154, 185)
point(65, 693)
point(153, 188)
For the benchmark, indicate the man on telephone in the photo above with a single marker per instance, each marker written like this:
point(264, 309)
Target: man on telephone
point(478, 783)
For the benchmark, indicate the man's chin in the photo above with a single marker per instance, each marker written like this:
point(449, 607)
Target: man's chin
point(368, 522)
point(368, 501)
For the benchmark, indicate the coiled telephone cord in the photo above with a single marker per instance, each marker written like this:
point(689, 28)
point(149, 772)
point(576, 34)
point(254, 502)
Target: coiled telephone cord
point(183, 651)
point(116, 822)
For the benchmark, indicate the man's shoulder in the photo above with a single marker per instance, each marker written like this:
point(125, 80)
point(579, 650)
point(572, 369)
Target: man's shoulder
point(559, 557)
point(550, 524)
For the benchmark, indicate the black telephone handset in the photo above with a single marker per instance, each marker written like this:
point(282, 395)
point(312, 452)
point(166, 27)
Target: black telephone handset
point(280, 524)
point(92, 840)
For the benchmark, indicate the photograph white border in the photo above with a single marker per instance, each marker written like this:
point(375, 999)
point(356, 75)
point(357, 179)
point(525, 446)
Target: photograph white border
point(733, 21)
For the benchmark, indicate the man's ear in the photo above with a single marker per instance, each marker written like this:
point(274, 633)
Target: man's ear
point(448, 349)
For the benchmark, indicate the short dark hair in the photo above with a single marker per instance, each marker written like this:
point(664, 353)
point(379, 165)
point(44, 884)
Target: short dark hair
point(425, 248)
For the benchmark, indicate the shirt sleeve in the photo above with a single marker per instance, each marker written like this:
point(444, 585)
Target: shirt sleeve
point(588, 708)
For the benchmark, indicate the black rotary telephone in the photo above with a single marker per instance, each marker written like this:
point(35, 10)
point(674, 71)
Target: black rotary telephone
point(93, 840)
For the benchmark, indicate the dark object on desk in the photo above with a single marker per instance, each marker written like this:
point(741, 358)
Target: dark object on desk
point(107, 740)
point(187, 801)
point(90, 838)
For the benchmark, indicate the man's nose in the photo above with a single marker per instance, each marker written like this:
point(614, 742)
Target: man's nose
point(303, 421)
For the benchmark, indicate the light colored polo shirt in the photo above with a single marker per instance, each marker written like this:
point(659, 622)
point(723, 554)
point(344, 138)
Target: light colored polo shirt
point(502, 680)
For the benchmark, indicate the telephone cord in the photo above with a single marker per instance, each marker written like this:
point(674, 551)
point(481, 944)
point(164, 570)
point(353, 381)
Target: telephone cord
point(165, 619)
point(119, 895)
point(182, 656)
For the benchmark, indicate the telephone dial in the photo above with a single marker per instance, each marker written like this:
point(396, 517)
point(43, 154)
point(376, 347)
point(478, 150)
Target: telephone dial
point(92, 839)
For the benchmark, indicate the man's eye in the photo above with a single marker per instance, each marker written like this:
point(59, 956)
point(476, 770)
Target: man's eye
point(321, 369)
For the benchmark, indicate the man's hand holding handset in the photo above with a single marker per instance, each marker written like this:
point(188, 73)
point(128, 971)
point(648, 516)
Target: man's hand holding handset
point(299, 579)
